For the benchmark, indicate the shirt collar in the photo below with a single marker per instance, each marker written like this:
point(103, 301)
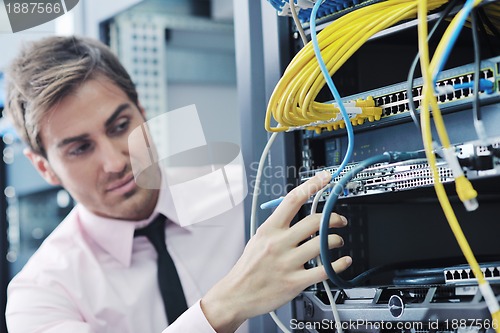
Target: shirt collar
point(117, 236)
point(114, 236)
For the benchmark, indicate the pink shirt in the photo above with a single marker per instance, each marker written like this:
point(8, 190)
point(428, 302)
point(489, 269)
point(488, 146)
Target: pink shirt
point(92, 275)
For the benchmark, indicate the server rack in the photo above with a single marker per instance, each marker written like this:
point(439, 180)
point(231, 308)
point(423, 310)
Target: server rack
point(384, 228)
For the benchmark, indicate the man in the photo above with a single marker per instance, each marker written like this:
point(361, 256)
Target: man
point(75, 106)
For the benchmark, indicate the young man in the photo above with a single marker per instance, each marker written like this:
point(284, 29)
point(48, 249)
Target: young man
point(74, 105)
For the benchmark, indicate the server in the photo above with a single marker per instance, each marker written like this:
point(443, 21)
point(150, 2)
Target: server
point(407, 264)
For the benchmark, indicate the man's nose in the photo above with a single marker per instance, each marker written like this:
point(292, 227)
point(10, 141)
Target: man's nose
point(114, 157)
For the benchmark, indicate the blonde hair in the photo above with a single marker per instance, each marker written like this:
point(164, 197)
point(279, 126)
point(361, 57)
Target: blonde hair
point(48, 70)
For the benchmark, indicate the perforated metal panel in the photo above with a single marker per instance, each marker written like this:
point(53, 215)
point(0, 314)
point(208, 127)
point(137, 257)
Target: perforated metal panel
point(138, 40)
point(201, 53)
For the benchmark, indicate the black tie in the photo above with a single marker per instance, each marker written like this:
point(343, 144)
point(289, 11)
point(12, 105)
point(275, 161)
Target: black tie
point(170, 285)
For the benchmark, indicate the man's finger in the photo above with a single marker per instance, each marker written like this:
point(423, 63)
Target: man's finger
point(292, 202)
point(310, 225)
point(318, 274)
point(310, 249)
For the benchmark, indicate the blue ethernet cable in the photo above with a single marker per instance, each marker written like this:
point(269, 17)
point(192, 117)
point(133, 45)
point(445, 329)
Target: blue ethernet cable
point(484, 85)
point(333, 89)
point(272, 203)
point(464, 13)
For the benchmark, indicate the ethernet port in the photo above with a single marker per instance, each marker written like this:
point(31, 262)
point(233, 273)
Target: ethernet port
point(460, 93)
point(417, 92)
point(442, 98)
point(488, 73)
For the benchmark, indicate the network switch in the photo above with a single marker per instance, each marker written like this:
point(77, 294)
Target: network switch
point(454, 90)
point(390, 104)
point(464, 274)
point(478, 160)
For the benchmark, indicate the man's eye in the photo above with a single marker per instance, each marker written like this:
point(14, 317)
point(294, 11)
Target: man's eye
point(120, 127)
point(80, 149)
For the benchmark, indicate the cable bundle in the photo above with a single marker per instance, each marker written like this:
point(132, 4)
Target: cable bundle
point(430, 69)
point(293, 104)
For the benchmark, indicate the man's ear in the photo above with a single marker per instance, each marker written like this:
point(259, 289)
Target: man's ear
point(42, 165)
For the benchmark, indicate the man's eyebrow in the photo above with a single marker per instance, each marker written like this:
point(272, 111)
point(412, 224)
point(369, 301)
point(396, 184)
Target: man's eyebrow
point(67, 141)
point(108, 122)
point(115, 114)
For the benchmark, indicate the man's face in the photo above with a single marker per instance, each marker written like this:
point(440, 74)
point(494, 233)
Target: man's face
point(85, 137)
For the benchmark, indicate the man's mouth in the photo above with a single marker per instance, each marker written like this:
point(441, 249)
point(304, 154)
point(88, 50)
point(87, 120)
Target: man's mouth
point(122, 185)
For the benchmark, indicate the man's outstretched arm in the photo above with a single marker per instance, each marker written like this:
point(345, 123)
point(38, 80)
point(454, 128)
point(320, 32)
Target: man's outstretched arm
point(271, 270)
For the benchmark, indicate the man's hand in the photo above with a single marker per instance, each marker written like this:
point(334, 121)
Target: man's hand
point(271, 270)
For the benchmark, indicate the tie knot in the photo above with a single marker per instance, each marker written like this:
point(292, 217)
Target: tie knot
point(155, 231)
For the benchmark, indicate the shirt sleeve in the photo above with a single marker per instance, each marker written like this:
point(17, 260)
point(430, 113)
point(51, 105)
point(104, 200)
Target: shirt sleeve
point(192, 320)
point(36, 309)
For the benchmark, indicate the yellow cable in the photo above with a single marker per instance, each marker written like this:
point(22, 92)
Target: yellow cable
point(464, 187)
point(429, 98)
point(293, 100)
